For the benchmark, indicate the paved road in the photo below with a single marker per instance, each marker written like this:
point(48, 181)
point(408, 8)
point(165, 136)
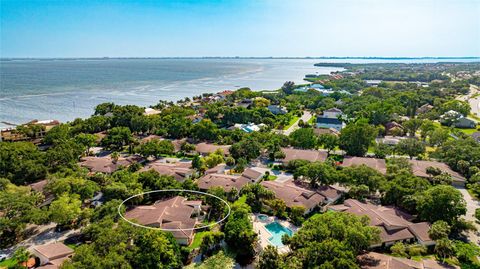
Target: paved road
point(473, 101)
point(471, 206)
point(305, 117)
point(45, 234)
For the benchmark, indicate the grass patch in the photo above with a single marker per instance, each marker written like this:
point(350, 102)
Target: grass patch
point(197, 240)
point(271, 177)
point(466, 131)
point(311, 121)
point(8, 263)
point(291, 122)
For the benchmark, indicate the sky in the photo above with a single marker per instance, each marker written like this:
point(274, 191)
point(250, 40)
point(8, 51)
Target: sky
point(261, 28)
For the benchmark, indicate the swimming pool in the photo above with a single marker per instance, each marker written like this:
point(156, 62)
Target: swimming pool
point(262, 217)
point(277, 230)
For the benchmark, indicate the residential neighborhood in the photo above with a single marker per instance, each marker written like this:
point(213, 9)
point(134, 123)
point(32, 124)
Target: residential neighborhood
point(295, 175)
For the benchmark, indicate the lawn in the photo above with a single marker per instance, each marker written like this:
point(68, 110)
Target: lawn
point(291, 122)
point(8, 263)
point(197, 240)
point(271, 177)
point(311, 121)
point(467, 131)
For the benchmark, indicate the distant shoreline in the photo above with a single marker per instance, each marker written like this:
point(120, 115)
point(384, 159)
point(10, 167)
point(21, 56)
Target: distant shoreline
point(262, 58)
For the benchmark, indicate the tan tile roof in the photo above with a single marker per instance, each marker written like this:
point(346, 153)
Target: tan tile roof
point(374, 260)
point(394, 224)
point(179, 170)
point(172, 213)
point(206, 148)
point(377, 164)
point(294, 195)
point(251, 174)
point(54, 251)
point(227, 182)
point(106, 165)
point(303, 154)
point(419, 169)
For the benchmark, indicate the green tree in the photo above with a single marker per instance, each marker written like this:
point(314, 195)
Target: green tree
point(441, 202)
point(22, 162)
point(331, 240)
point(411, 147)
point(444, 248)
point(399, 249)
point(303, 138)
point(440, 229)
point(248, 149)
point(66, 209)
point(86, 140)
point(328, 141)
point(296, 214)
point(156, 148)
point(356, 137)
point(239, 234)
point(270, 259)
point(205, 130)
point(412, 125)
point(211, 242)
point(117, 138)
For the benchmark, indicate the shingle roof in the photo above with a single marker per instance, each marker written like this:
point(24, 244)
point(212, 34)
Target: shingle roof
point(294, 195)
point(106, 165)
point(393, 223)
point(206, 148)
point(251, 174)
point(303, 154)
point(377, 164)
point(54, 251)
point(374, 260)
point(227, 182)
point(179, 170)
point(172, 213)
point(419, 169)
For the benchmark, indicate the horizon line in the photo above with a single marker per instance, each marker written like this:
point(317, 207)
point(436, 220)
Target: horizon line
point(244, 57)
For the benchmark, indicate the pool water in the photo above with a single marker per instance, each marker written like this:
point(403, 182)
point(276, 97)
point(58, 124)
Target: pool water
point(277, 230)
point(262, 217)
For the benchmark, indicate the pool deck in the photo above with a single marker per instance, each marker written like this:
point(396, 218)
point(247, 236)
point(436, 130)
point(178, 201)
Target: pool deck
point(264, 234)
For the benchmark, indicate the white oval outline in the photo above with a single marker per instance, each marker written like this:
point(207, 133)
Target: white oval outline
point(173, 230)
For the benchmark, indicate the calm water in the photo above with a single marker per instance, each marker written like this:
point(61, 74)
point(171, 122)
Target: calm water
point(67, 89)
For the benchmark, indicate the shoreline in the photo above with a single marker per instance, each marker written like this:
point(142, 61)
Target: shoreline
point(77, 101)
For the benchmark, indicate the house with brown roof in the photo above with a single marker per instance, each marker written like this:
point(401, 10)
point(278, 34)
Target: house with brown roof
point(52, 255)
point(296, 195)
point(108, 165)
point(252, 174)
point(321, 131)
point(424, 108)
point(374, 163)
point(419, 169)
point(227, 182)
point(179, 170)
point(176, 214)
point(374, 260)
point(393, 128)
point(207, 148)
point(303, 154)
point(394, 224)
point(39, 186)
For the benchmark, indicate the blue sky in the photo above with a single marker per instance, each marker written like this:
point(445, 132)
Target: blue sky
point(239, 28)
